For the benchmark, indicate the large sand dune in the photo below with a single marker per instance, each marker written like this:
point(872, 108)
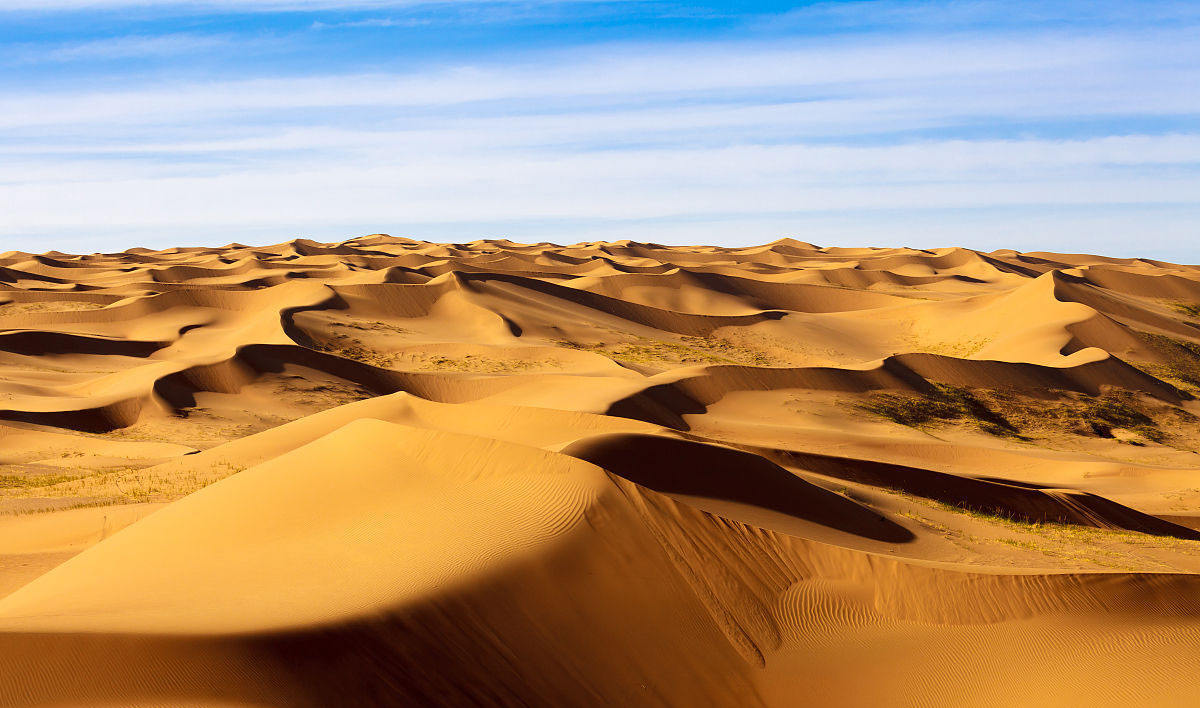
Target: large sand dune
point(389, 472)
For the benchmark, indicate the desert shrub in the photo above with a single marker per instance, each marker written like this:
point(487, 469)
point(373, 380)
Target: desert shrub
point(943, 403)
point(1119, 409)
point(911, 410)
point(1189, 309)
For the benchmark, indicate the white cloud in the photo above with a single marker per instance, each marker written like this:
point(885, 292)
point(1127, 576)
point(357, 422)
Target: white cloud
point(642, 184)
point(949, 78)
point(661, 137)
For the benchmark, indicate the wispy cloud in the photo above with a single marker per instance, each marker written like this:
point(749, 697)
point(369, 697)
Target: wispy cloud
point(955, 78)
point(995, 15)
point(128, 47)
point(376, 22)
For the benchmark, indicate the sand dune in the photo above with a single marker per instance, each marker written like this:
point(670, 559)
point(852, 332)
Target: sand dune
point(390, 472)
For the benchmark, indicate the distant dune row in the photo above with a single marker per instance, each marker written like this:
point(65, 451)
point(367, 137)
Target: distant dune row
point(390, 472)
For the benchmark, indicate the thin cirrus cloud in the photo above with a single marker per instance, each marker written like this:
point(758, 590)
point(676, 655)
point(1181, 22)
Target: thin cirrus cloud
point(128, 47)
point(1016, 78)
point(1049, 137)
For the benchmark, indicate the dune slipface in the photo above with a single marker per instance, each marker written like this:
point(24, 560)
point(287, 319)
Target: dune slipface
point(390, 472)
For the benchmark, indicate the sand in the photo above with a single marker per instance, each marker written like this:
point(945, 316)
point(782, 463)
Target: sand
point(390, 472)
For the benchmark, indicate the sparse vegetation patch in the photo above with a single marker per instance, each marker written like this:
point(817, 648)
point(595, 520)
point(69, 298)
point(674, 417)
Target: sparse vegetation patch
point(348, 347)
point(22, 308)
point(1117, 409)
point(1182, 357)
point(18, 481)
point(1188, 309)
point(1116, 413)
point(106, 487)
point(943, 403)
point(688, 350)
point(1072, 545)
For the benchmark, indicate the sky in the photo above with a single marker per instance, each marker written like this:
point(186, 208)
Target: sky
point(1064, 126)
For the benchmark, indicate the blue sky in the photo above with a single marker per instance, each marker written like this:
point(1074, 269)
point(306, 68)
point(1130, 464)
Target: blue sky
point(1069, 126)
